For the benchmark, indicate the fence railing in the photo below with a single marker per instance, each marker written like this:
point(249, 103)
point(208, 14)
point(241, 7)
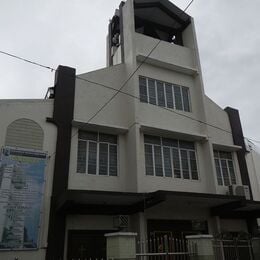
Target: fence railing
point(234, 249)
point(165, 247)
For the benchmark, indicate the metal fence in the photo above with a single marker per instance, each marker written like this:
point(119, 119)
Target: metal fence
point(165, 248)
point(235, 249)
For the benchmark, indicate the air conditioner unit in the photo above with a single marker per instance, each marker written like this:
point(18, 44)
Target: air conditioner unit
point(240, 190)
point(121, 221)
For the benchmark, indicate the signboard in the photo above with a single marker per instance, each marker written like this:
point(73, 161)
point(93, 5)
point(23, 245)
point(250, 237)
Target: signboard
point(21, 193)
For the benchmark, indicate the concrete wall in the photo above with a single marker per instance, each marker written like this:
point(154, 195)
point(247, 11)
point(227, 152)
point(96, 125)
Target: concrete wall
point(38, 111)
point(132, 115)
point(253, 164)
point(233, 225)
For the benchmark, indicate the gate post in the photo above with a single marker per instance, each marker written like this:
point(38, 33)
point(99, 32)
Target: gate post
point(200, 247)
point(121, 245)
point(256, 247)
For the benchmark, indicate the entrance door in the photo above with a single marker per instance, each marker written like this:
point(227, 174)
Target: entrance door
point(87, 244)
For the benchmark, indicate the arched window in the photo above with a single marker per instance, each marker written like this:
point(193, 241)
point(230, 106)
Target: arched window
point(24, 133)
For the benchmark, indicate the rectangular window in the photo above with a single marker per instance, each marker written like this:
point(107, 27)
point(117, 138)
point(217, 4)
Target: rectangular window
point(224, 168)
point(97, 154)
point(170, 158)
point(164, 94)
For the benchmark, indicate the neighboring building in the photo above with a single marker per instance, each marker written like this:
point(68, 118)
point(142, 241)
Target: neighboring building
point(159, 158)
point(25, 177)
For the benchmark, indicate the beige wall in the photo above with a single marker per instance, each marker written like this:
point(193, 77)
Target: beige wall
point(130, 114)
point(37, 110)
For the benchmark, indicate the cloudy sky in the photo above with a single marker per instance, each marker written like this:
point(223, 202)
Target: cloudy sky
point(73, 32)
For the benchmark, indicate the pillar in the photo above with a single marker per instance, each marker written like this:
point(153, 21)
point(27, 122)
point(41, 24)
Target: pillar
point(121, 245)
point(256, 247)
point(201, 247)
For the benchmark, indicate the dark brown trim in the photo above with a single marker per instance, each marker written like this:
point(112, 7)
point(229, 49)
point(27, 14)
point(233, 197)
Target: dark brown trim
point(219, 210)
point(62, 118)
point(170, 9)
point(238, 138)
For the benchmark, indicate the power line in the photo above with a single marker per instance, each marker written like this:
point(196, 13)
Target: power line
point(133, 73)
point(124, 84)
point(125, 93)
point(26, 60)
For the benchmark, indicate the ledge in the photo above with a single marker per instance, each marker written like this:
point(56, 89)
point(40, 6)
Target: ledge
point(173, 134)
point(99, 128)
point(200, 237)
point(166, 65)
point(226, 147)
point(121, 234)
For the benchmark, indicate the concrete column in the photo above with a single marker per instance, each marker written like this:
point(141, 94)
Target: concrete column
point(256, 247)
point(121, 245)
point(201, 247)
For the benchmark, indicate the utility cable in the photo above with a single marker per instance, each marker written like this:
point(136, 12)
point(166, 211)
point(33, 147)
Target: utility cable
point(125, 93)
point(26, 60)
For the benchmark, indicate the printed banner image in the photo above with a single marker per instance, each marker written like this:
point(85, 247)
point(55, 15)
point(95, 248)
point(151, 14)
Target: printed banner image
point(21, 194)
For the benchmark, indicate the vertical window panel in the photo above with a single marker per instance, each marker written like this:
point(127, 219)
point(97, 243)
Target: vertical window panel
point(143, 90)
point(232, 172)
point(169, 96)
point(178, 98)
point(218, 170)
point(82, 155)
point(92, 158)
point(158, 161)
point(225, 172)
point(185, 164)
point(160, 94)
point(149, 159)
point(167, 161)
point(185, 96)
point(103, 159)
point(152, 91)
point(193, 165)
point(176, 163)
point(112, 160)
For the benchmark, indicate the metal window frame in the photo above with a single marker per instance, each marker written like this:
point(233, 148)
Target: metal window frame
point(165, 97)
point(98, 149)
point(221, 170)
point(172, 164)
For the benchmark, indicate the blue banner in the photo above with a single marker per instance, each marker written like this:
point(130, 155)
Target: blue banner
point(21, 194)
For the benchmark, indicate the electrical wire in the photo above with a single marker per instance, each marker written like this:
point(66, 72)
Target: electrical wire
point(26, 60)
point(123, 92)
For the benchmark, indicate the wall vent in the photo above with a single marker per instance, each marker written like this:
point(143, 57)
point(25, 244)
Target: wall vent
point(121, 221)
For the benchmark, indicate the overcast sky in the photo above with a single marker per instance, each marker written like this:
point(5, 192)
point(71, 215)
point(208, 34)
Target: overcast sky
point(73, 33)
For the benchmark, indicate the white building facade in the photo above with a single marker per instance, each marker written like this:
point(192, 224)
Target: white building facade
point(138, 146)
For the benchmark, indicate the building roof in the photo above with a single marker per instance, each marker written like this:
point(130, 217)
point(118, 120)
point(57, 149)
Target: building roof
point(162, 12)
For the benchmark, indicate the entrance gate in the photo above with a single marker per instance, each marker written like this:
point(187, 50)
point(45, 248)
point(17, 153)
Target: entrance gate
point(235, 249)
point(87, 244)
point(165, 248)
